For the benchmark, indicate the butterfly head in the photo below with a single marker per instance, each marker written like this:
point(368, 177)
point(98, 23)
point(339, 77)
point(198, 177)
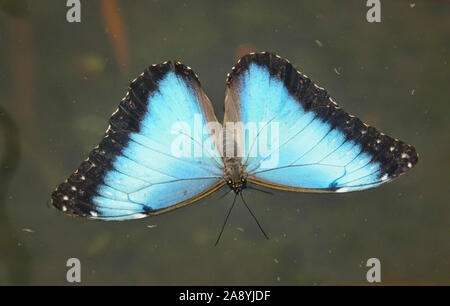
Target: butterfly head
point(237, 185)
point(235, 175)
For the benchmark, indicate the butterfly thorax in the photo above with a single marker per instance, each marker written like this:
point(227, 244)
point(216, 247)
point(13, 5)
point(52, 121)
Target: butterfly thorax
point(235, 174)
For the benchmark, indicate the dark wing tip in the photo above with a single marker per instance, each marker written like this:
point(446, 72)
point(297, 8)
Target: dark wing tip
point(65, 201)
point(404, 158)
point(245, 61)
point(185, 72)
point(296, 82)
point(73, 196)
point(147, 82)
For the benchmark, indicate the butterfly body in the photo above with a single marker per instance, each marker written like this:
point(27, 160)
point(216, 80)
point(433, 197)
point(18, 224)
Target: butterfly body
point(161, 150)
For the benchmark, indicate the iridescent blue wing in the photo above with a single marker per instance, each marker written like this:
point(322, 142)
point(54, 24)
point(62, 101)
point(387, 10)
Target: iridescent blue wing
point(136, 170)
point(304, 141)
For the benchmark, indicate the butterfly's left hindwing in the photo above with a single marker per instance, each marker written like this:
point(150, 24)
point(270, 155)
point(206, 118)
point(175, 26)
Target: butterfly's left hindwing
point(134, 172)
point(318, 147)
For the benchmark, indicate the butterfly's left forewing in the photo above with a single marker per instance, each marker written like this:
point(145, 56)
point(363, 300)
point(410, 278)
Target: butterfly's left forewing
point(152, 158)
point(303, 140)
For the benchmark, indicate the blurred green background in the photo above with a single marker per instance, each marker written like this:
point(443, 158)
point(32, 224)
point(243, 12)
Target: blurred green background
point(60, 82)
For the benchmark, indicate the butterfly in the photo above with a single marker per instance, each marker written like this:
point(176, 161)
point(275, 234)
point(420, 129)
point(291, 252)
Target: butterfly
point(164, 147)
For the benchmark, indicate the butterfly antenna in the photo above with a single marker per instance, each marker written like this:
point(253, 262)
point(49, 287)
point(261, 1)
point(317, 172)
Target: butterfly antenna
point(225, 194)
point(254, 217)
point(226, 220)
point(257, 189)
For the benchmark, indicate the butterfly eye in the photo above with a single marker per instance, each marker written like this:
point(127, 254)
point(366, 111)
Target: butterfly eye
point(229, 182)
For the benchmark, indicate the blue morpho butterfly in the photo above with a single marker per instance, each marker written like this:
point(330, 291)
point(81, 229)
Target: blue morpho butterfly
point(301, 140)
